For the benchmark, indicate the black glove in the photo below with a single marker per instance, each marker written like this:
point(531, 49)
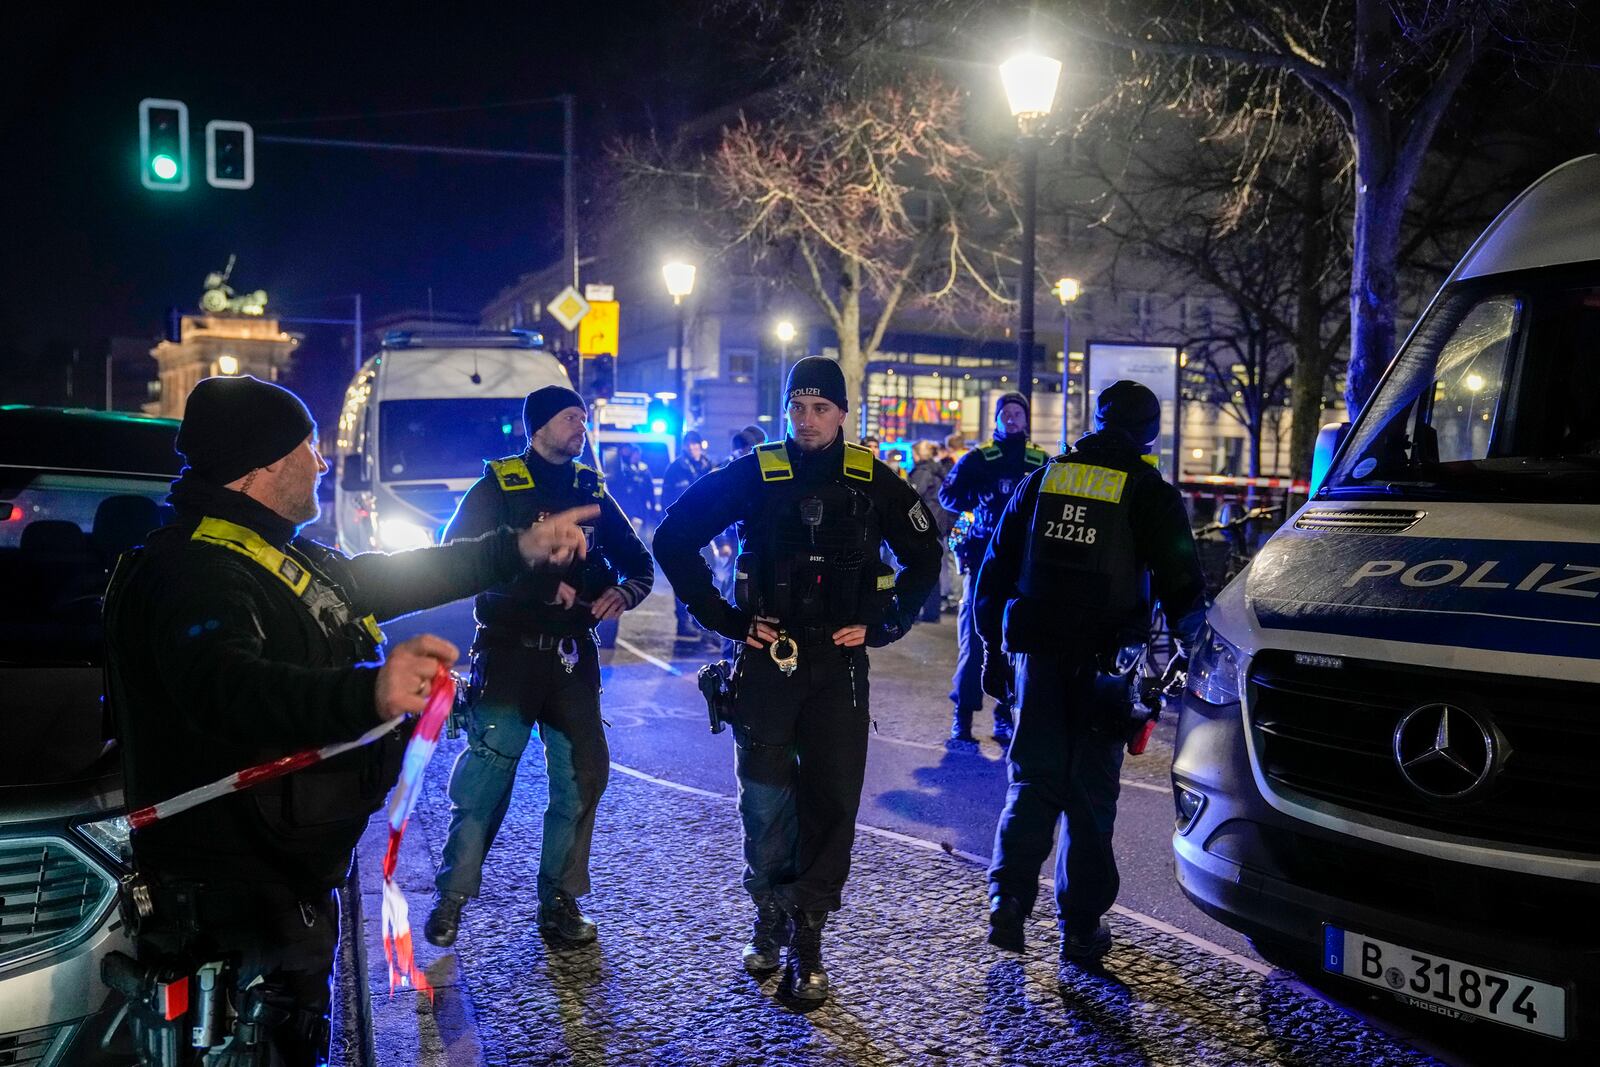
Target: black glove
point(723, 618)
point(998, 678)
point(895, 625)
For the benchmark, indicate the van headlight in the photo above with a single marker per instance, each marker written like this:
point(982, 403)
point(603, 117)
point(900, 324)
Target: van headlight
point(397, 535)
point(110, 836)
point(1214, 669)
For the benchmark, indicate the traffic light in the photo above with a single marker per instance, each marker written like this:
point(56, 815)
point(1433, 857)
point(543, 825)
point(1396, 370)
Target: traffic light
point(603, 377)
point(164, 144)
point(230, 154)
point(659, 417)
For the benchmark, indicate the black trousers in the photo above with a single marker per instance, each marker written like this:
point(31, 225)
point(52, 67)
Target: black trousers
point(1060, 771)
point(266, 934)
point(801, 759)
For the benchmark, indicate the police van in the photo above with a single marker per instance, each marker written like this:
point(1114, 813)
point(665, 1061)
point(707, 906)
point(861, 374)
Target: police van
point(419, 419)
point(1388, 758)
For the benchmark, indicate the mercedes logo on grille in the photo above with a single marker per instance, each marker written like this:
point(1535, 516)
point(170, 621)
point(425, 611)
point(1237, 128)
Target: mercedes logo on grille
point(1446, 752)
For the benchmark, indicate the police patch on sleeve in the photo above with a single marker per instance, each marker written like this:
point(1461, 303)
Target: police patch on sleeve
point(919, 517)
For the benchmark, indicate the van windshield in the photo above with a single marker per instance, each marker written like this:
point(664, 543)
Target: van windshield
point(423, 440)
point(1496, 395)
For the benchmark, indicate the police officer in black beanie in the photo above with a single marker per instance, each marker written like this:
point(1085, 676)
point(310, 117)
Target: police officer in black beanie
point(1065, 592)
point(812, 513)
point(981, 482)
point(534, 663)
point(232, 641)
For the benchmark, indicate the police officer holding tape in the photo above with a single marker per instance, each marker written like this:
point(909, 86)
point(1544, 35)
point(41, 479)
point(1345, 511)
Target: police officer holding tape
point(535, 662)
point(232, 641)
point(812, 514)
point(1065, 590)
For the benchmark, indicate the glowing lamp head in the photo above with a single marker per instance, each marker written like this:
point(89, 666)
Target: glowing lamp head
point(785, 331)
point(1030, 83)
point(679, 277)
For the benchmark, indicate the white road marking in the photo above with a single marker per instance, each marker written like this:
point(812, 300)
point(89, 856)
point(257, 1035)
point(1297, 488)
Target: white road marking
point(1219, 951)
point(648, 658)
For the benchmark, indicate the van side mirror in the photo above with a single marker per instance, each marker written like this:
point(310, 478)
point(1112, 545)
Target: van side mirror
point(353, 475)
point(1329, 438)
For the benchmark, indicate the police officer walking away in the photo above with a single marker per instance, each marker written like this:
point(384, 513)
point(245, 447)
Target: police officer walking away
point(232, 641)
point(981, 482)
point(1065, 586)
point(812, 513)
point(535, 663)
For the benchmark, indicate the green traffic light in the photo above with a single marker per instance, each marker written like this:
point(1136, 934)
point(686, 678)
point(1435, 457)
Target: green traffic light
point(165, 167)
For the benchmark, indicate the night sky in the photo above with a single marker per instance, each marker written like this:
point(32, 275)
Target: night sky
point(89, 253)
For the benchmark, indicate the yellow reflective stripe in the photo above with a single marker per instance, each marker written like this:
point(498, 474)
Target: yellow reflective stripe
point(990, 451)
point(1082, 480)
point(1035, 457)
point(251, 545)
point(857, 462)
point(512, 473)
point(885, 582)
point(1153, 460)
point(774, 460)
point(373, 628)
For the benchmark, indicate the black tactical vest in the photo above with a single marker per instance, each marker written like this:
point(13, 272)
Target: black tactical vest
point(1081, 554)
point(811, 553)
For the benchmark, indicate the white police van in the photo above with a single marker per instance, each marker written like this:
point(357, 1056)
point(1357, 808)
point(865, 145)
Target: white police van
point(1389, 750)
point(419, 419)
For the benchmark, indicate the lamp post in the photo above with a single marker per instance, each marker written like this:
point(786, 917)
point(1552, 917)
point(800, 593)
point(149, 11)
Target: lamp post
point(1067, 290)
point(680, 283)
point(1030, 83)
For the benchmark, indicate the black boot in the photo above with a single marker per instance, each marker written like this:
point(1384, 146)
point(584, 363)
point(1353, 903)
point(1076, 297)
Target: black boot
point(1004, 727)
point(1085, 947)
point(563, 920)
point(444, 921)
point(804, 979)
point(1005, 923)
point(961, 727)
point(763, 953)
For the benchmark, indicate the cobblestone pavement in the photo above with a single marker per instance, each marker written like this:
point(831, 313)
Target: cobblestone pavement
point(914, 983)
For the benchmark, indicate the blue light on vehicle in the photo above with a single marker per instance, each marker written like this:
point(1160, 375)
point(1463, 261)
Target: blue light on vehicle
point(658, 425)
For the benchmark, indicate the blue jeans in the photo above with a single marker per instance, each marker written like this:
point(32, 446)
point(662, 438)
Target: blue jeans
point(524, 688)
point(1060, 771)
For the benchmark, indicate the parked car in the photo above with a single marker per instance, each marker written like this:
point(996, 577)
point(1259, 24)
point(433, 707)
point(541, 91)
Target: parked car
point(77, 488)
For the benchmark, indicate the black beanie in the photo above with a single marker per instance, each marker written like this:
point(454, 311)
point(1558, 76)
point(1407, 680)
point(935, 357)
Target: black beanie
point(1012, 398)
point(545, 404)
point(1131, 408)
point(233, 425)
point(817, 376)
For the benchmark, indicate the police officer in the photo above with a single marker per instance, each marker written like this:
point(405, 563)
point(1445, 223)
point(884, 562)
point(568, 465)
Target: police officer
point(689, 467)
point(232, 641)
point(981, 482)
point(535, 658)
point(1065, 586)
point(812, 512)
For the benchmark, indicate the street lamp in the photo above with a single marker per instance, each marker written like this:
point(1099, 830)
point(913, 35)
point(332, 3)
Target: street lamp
point(680, 283)
point(1030, 83)
point(785, 332)
point(228, 365)
point(1068, 290)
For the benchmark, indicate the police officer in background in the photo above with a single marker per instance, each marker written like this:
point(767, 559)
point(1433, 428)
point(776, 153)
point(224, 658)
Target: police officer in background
point(689, 467)
point(1067, 585)
point(812, 512)
point(535, 663)
point(232, 641)
point(981, 482)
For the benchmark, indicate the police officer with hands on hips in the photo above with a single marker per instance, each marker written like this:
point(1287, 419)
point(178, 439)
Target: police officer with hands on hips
point(535, 664)
point(231, 641)
point(812, 512)
point(981, 482)
point(1065, 593)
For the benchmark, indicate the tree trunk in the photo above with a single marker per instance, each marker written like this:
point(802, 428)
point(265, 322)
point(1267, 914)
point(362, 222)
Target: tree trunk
point(850, 356)
point(1311, 355)
point(1374, 287)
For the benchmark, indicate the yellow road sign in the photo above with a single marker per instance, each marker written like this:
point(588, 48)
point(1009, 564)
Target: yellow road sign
point(597, 333)
point(568, 307)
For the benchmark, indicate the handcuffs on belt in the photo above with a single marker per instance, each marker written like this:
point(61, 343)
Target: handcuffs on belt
point(788, 661)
